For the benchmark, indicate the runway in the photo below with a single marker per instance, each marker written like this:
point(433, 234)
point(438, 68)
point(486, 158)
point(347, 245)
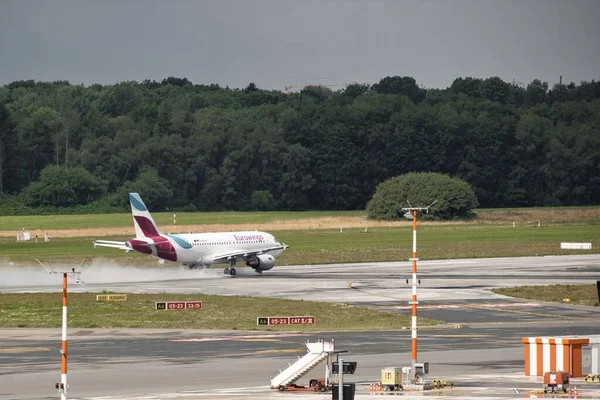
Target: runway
point(479, 349)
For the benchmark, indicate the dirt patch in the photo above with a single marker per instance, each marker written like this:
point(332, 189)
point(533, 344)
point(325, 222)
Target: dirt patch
point(520, 217)
point(301, 224)
point(542, 215)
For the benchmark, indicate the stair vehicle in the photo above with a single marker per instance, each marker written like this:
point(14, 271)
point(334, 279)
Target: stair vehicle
point(287, 376)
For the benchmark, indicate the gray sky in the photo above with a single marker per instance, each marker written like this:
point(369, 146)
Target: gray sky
point(275, 43)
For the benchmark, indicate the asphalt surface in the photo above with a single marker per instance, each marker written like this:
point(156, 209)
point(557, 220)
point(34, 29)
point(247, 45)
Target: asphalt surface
point(479, 349)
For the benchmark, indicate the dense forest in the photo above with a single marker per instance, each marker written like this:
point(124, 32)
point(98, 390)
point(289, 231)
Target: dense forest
point(205, 147)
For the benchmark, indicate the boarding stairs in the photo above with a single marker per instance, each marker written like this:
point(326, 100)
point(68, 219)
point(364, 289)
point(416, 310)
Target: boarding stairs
point(291, 372)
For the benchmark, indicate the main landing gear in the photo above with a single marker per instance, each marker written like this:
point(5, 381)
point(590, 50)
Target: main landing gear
point(230, 270)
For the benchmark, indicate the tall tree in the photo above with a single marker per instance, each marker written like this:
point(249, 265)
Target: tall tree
point(8, 152)
point(40, 139)
point(405, 85)
point(536, 93)
point(495, 89)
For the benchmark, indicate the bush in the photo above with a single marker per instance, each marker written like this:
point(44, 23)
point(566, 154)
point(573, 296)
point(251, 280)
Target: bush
point(454, 198)
point(63, 187)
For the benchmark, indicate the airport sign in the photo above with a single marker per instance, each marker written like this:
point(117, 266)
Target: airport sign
point(178, 305)
point(348, 367)
point(299, 320)
point(302, 320)
point(279, 321)
point(111, 297)
point(175, 305)
point(196, 305)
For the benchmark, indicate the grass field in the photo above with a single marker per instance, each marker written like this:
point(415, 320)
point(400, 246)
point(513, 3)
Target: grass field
point(435, 241)
point(319, 237)
point(219, 312)
point(585, 295)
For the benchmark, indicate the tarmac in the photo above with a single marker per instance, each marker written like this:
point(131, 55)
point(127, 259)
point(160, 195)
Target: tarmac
point(479, 349)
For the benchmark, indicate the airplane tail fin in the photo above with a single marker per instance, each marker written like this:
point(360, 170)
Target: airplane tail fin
point(142, 220)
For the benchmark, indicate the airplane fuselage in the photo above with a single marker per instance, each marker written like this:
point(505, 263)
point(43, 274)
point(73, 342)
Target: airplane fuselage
point(200, 248)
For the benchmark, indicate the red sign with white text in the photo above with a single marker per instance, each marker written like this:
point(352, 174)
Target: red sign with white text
point(302, 320)
point(193, 305)
point(279, 320)
point(175, 305)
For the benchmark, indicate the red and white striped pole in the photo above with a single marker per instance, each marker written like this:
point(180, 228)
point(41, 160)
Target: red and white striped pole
point(62, 385)
point(63, 371)
point(414, 300)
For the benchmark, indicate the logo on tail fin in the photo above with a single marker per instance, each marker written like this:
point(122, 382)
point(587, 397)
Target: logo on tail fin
point(136, 202)
point(142, 220)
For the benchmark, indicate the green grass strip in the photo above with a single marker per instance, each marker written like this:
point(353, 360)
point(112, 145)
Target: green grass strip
point(323, 246)
point(585, 295)
point(43, 310)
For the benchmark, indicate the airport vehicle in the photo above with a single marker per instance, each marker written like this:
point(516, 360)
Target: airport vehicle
point(198, 250)
point(316, 352)
point(315, 385)
point(391, 379)
point(558, 380)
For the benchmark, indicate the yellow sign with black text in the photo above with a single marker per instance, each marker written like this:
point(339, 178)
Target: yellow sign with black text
point(111, 297)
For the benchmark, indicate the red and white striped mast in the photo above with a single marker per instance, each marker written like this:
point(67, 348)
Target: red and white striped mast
point(63, 367)
point(62, 386)
point(411, 213)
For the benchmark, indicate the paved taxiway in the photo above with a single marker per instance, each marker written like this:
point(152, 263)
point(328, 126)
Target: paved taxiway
point(480, 348)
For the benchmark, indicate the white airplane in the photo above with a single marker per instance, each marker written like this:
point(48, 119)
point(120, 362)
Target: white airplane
point(198, 250)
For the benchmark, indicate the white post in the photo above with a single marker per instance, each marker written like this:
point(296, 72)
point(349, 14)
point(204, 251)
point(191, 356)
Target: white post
point(595, 358)
point(327, 371)
point(341, 383)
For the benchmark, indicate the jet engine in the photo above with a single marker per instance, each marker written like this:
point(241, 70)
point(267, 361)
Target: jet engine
point(261, 262)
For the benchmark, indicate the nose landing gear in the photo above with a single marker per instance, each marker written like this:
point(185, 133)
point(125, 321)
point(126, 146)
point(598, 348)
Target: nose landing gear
point(230, 270)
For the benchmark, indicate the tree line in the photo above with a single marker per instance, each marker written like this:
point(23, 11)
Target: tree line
point(207, 147)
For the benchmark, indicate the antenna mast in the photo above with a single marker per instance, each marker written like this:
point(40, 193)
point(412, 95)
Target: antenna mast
point(411, 212)
point(62, 386)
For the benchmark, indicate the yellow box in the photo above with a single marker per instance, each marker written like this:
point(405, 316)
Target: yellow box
point(111, 297)
point(391, 376)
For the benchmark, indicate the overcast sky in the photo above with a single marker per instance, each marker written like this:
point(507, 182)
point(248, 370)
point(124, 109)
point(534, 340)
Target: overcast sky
point(275, 43)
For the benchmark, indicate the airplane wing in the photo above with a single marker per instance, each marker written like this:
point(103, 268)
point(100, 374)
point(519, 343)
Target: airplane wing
point(111, 243)
point(245, 253)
